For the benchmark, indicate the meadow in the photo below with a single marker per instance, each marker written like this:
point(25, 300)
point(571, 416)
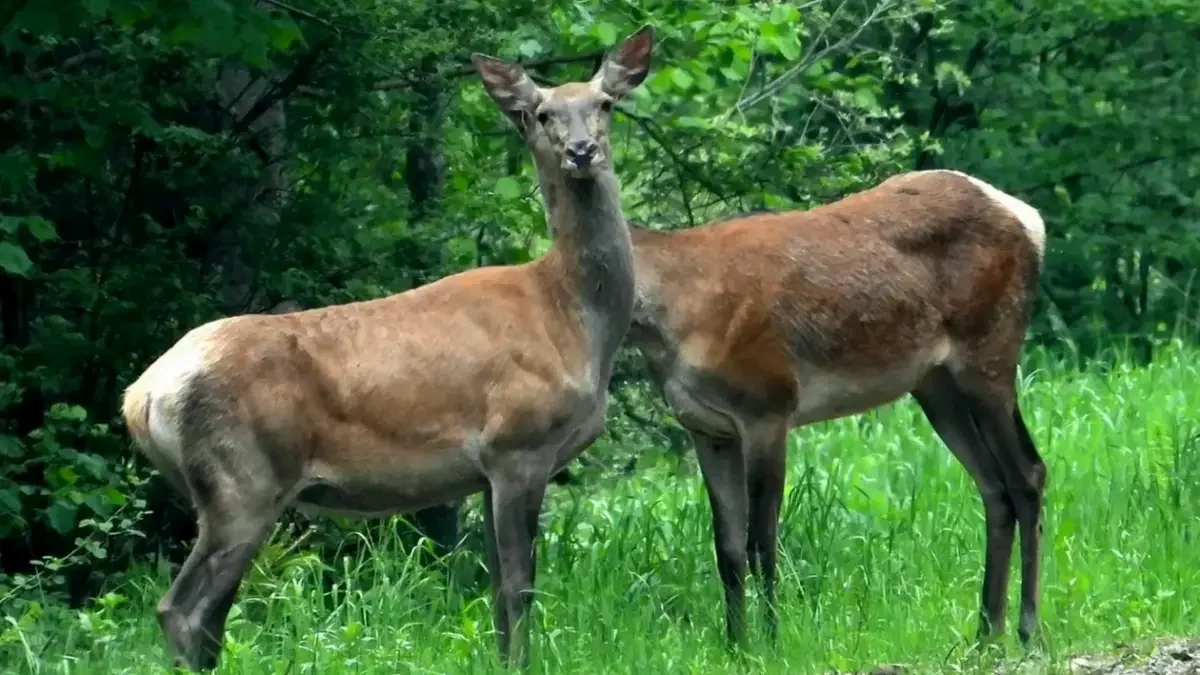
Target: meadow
point(881, 561)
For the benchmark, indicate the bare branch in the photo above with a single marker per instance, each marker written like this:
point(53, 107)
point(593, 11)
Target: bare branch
point(1118, 169)
point(652, 129)
point(406, 79)
point(285, 88)
point(812, 57)
point(296, 11)
point(69, 64)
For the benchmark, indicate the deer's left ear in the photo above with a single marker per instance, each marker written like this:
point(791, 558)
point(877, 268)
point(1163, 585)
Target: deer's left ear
point(626, 66)
point(509, 86)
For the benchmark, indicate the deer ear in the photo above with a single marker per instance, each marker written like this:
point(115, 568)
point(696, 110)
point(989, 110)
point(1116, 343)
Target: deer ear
point(627, 65)
point(509, 86)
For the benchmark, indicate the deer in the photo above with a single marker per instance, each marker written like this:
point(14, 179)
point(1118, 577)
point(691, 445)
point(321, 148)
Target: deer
point(488, 380)
point(921, 285)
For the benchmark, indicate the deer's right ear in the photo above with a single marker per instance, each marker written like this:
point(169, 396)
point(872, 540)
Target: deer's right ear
point(624, 68)
point(509, 86)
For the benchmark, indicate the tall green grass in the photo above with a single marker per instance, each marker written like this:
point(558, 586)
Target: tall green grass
point(881, 541)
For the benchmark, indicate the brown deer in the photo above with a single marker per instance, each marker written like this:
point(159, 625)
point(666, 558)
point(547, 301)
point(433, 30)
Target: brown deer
point(922, 285)
point(489, 380)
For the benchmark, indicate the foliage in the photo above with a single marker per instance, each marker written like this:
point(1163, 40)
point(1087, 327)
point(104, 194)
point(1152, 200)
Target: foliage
point(165, 163)
point(1086, 109)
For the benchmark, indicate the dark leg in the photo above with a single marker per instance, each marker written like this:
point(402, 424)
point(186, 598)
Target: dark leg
point(952, 421)
point(514, 515)
point(724, 470)
point(193, 612)
point(1025, 474)
point(499, 616)
point(767, 472)
point(997, 449)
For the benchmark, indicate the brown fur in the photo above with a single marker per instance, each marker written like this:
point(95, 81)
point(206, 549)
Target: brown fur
point(487, 380)
point(769, 321)
point(366, 389)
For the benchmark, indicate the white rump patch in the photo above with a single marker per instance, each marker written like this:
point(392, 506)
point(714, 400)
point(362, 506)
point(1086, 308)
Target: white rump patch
point(166, 379)
point(1028, 216)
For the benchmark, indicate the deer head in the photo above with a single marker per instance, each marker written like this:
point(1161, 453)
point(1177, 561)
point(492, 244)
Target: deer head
point(568, 126)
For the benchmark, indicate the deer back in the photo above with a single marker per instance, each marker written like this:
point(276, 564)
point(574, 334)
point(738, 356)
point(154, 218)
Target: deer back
point(908, 272)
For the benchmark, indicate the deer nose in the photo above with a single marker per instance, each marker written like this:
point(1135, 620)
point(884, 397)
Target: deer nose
point(582, 152)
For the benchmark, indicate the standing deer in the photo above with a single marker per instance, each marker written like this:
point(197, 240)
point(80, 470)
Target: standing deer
point(487, 380)
point(922, 285)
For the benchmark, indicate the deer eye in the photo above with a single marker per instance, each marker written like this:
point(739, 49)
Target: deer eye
point(606, 105)
point(543, 117)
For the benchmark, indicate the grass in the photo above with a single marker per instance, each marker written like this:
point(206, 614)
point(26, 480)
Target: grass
point(882, 548)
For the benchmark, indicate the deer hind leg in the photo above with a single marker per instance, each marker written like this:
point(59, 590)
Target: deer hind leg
point(954, 422)
point(978, 420)
point(724, 469)
point(765, 475)
point(233, 524)
point(1029, 514)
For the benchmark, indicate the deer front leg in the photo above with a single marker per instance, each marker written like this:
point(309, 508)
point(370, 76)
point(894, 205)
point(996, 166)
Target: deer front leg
point(511, 512)
point(766, 467)
point(724, 470)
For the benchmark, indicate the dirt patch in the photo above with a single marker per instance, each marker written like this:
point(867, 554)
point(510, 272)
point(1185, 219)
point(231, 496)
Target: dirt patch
point(1172, 656)
point(1164, 656)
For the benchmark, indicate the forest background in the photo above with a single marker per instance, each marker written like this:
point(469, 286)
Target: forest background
point(164, 163)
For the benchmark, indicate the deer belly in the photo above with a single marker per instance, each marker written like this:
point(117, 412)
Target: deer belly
point(369, 490)
point(825, 395)
point(699, 409)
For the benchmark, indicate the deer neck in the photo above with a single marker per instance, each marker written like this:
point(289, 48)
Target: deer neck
point(650, 330)
point(592, 240)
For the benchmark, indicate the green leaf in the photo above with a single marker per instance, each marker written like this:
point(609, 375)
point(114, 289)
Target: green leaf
point(681, 78)
point(182, 134)
point(115, 496)
point(789, 47)
point(507, 187)
point(865, 98)
point(9, 501)
point(128, 14)
point(11, 446)
point(93, 134)
point(784, 13)
point(62, 515)
point(183, 32)
point(530, 48)
point(606, 33)
point(63, 411)
point(462, 250)
point(40, 228)
point(36, 17)
point(284, 33)
point(97, 8)
point(14, 260)
point(689, 122)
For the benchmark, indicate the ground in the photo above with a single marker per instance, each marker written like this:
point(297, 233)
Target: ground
point(1167, 656)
